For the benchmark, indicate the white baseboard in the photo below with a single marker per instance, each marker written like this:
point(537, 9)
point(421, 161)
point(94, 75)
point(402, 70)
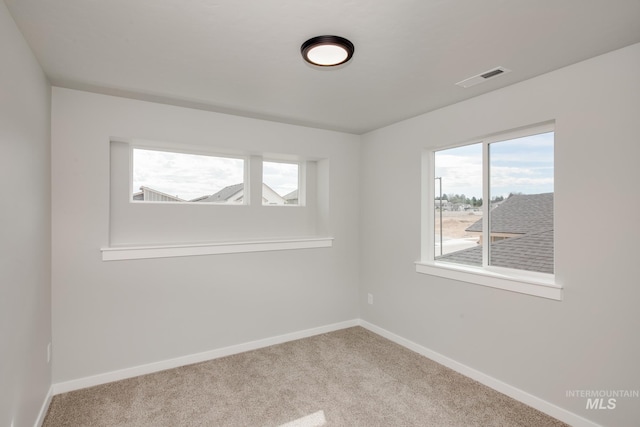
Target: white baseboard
point(45, 407)
point(504, 388)
point(135, 371)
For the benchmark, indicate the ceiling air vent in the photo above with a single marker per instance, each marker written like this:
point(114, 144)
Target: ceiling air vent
point(483, 77)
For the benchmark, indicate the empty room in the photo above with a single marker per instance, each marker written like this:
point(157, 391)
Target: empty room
point(328, 213)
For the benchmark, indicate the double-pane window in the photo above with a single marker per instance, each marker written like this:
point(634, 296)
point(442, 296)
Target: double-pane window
point(493, 204)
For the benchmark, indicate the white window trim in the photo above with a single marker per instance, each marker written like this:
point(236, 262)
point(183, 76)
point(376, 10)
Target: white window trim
point(213, 248)
point(521, 281)
point(523, 284)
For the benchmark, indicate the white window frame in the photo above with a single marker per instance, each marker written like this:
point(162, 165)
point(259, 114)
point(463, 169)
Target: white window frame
point(302, 180)
point(522, 281)
point(158, 146)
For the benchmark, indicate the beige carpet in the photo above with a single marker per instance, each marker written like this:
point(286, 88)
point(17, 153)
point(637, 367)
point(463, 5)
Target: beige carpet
point(350, 377)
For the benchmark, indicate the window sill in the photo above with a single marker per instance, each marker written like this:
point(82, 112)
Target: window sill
point(167, 251)
point(535, 286)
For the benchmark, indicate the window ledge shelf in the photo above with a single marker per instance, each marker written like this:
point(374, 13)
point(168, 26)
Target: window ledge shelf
point(119, 253)
point(525, 285)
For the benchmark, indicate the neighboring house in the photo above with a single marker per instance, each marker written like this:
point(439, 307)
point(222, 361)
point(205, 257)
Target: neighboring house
point(521, 235)
point(230, 194)
point(453, 207)
point(518, 215)
point(235, 194)
point(291, 198)
point(446, 205)
point(150, 195)
point(270, 197)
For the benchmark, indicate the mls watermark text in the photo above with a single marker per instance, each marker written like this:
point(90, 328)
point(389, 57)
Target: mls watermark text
point(603, 399)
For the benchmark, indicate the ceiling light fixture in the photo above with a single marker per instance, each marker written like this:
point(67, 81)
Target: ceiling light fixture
point(327, 51)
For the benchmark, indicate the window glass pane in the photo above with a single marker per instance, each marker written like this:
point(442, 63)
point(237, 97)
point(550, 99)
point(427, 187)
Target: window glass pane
point(164, 176)
point(280, 183)
point(458, 205)
point(521, 214)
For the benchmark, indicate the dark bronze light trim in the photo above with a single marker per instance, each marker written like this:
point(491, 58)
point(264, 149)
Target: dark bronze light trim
point(323, 41)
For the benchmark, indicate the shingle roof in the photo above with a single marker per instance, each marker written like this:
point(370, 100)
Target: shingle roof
point(291, 196)
point(531, 252)
point(224, 194)
point(530, 215)
point(471, 256)
point(521, 214)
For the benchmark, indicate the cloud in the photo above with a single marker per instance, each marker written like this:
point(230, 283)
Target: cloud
point(184, 175)
point(461, 170)
point(523, 165)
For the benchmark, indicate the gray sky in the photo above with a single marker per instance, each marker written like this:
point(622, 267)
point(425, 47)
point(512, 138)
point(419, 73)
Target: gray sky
point(522, 165)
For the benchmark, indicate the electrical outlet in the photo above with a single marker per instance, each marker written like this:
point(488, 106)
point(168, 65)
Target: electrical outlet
point(49, 353)
point(370, 298)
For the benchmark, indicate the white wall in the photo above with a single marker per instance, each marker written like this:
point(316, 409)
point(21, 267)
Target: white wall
point(114, 315)
point(25, 269)
point(590, 339)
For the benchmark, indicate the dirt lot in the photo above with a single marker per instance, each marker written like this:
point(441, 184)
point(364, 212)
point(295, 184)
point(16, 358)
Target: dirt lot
point(454, 224)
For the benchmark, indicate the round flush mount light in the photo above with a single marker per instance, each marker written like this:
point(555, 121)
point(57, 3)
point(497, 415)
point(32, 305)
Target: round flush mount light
point(327, 51)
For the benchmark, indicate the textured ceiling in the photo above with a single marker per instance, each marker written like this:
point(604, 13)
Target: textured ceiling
point(243, 56)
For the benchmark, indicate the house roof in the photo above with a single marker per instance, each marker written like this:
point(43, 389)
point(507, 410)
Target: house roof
point(531, 252)
point(140, 194)
point(231, 190)
point(223, 195)
point(291, 196)
point(521, 214)
point(530, 215)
